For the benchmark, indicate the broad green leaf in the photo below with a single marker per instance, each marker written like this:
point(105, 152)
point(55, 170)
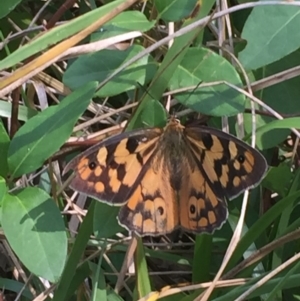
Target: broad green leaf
point(124, 22)
point(153, 115)
point(7, 6)
point(201, 65)
point(271, 32)
point(105, 220)
point(42, 135)
point(35, 230)
point(175, 10)
point(99, 65)
point(282, 97)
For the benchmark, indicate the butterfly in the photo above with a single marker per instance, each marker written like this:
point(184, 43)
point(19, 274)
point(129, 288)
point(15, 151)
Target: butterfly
point(168, 177)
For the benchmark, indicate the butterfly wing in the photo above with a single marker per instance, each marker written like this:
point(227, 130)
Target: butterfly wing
point(220, 167)
point(109, 171)
point(153, 207)
point(200, 209)
point(126, 170)
point(230, 164)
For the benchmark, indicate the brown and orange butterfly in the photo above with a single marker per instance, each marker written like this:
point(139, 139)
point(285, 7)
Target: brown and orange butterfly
point(170, 177)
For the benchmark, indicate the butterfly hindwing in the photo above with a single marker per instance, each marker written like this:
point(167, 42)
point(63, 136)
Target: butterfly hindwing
point(219, 167)
point(109, 170)
point(200, 209)
point(152, 209)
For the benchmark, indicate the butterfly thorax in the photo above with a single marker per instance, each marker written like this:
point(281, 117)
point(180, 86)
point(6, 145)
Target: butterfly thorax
point(172, 150)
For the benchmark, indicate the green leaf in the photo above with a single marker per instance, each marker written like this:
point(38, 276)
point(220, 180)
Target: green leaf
point(282, 97)
point(271, 32)
point(82, 272)
point(62, 292)
point(42, 135)
point(105, 220)
point(153, 115)
point(143, 282)
point(266, 135)
point(124, 22)
point(113, 296)
point(4, 145)
point(16, 287)
point(3, 190)
point(24, 113)
point(7, 6)
point(279, 179)
point(99, 283)
point(175, 10)
point(203, 65)
point(35, 230)
point(203, 250)
point(141, 71)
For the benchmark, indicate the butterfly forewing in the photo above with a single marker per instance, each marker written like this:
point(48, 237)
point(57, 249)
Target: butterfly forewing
point(109, 170)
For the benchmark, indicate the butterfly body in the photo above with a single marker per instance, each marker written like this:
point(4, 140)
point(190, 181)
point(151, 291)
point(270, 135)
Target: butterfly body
point(165, 178)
